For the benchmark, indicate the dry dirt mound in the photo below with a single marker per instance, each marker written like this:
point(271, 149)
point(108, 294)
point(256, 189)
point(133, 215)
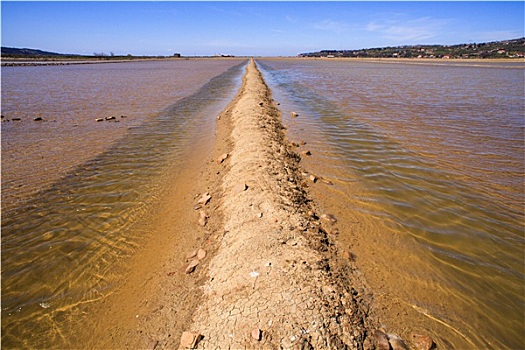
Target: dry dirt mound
point(271, 283)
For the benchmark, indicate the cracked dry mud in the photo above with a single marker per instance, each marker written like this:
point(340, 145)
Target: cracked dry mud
point(275, 280)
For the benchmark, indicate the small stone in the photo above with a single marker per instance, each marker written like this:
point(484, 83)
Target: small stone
point(422, 342)
point(191, 254)
point(16, 119)
point(38, 119)
point(329, 217)
point(307, 153)
point(111, 118)
point(313, 178)
point(381, 340)
point(123, 116)
point(397, 343)
point(205, 198)
point(99, 119)
point(295, 114)
point(256, 334)
point(153, 344)
point(203, 218)
point(243, 187)
point(191, 266)
point(222, 158)
point(260, 215)
point(189, 340)
point(201, 254)
point(261, 104)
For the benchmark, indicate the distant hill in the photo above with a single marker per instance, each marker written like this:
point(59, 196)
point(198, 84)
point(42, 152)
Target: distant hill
point(497, 49)
point(14, 52)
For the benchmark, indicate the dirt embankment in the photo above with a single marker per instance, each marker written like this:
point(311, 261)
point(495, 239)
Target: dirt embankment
point(276, 279)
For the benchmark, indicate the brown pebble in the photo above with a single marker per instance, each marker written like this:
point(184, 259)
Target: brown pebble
point(422, 342)
point(205, 198)
point(201, 254)
point(203, 218)
point(313, 178)
point(307, 153)
point(38, 119)
point(191, 254)
point(153, 344)
point(191, 266)
point(329, 217)
point(381, 340)
point(222, 158)
point(396, 343)
point(256, 334)
point(295, 114)
point(189, 340)
point(99, 119)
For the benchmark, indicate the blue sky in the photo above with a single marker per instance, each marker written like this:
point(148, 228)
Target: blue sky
point(252, 28)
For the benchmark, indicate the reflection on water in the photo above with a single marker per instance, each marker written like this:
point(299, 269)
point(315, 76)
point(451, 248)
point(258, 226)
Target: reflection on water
point(429, 160)
point(63, 247)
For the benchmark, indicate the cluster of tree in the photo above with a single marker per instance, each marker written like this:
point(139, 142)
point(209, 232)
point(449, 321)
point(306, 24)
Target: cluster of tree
point(497, 49)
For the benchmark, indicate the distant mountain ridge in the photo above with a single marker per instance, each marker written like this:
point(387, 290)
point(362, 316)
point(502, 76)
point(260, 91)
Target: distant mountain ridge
point(25, 52)
point(514, 48)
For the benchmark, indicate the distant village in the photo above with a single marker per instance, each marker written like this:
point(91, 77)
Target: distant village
point(499, 49)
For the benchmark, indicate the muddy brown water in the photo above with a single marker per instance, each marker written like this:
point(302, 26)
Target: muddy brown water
point(427, 162)
point(75, 191)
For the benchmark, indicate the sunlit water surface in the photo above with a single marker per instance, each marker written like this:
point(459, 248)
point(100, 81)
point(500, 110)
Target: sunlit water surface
point(428, 162)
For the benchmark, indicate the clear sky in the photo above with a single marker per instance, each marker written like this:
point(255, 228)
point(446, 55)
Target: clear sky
point(252, 28)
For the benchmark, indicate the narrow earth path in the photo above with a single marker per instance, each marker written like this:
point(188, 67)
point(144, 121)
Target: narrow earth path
point(276, 280)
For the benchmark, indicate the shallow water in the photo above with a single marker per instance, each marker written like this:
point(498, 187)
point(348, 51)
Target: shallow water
point(69, 99)
point(64, 245)
point(428, 164)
